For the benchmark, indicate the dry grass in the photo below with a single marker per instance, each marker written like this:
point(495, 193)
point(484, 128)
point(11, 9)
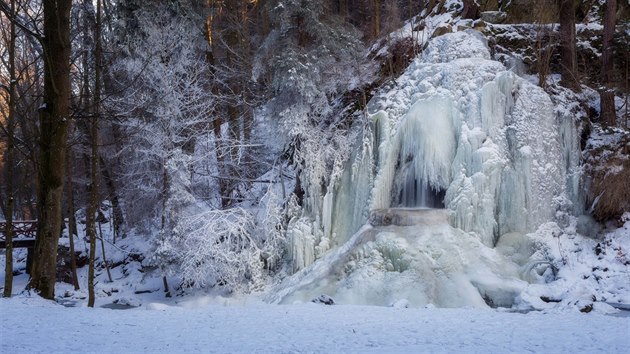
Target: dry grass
point(610, 186)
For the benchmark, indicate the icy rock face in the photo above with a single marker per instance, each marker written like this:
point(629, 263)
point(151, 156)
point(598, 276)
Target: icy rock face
point(460, 123)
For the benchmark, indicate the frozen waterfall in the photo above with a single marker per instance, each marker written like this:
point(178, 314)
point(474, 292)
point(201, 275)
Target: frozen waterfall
point(461, 123)
point(458, 132)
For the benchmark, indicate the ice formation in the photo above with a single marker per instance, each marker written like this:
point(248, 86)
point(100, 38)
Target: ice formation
point(426, 262)
point(459, 132)
point(483, 135)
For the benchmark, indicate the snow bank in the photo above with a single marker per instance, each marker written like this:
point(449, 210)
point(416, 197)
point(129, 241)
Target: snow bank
point(571, 271)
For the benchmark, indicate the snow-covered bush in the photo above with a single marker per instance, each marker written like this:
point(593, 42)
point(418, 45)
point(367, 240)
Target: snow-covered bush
point(233, 249)
point(220, 249)
point(271, 228)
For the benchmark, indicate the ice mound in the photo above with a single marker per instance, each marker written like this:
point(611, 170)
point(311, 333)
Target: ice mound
point(426, 263)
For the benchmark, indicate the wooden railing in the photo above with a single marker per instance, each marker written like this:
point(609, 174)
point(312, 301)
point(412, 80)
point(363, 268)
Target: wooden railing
point(24, 233)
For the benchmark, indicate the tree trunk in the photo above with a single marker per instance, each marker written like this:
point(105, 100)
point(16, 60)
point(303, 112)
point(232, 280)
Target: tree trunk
point(8, 211)
point(163, 225)
point(221, 161)
point(54, 116)
point(344, 11)
point(245, 93)
point(567, 45)
point(607, 42)
point(94, 157)
point(72, 223)
point(606, 94)
point(100, 235)
point(91, 231)
point(471, 10)
point(112, 193)
point(627, 81)
point(376, 18)
point(232, 40)
point(607, 103)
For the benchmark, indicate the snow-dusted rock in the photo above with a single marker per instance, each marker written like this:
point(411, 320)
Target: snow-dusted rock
point(493, 16)
point(324, 300)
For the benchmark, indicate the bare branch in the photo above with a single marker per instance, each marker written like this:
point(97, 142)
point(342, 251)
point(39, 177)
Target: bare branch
point(20, 21)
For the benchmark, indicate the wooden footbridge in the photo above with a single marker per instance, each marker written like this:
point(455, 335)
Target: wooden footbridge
point(24, 232)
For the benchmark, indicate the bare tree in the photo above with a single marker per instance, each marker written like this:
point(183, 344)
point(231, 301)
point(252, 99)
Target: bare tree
point(607, 93)
point(567, 44)
point(545, 41)
point(10, 152)
point(94, 156)
point(229, 32)
point(28, 93)
point(54, 117)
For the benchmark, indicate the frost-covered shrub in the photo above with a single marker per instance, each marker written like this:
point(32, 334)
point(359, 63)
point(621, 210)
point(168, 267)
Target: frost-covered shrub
point(219, 249)
point(228, 248)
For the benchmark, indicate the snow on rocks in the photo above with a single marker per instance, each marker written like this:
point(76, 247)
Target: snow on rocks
point(324, 300)
point(571, 271)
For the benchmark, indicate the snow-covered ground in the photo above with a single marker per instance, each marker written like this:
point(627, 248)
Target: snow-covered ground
point(33, 325)
point(548, 268)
